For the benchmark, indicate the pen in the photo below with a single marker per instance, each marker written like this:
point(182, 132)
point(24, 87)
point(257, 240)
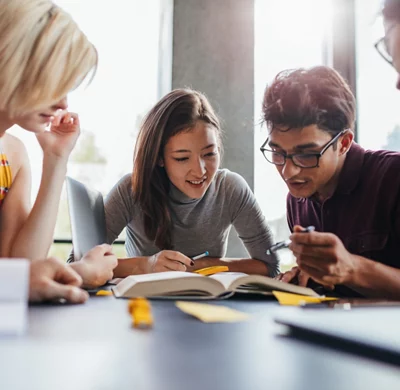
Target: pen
point(285, 244)
point(200, 256)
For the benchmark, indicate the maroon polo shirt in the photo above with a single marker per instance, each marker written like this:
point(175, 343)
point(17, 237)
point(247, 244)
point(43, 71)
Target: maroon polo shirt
point(364, 211)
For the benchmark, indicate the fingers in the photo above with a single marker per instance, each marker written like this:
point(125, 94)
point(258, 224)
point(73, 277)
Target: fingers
point(112, 260)
point(294, 273)
point(178, 256)
point(102, 253)
point(105, 251)
point(58, 117)
point(175, 266)
point(74, 118)
point(290, 275)
point(71, 294)
point(66, 118)
point(314, 238)
point(164, 266)
point(169, 261)
point(61, 272)
point(67, 275)
point(100, 250)
point(303, 279)
point(319, 276)
point(298, 229)
point(322, 253)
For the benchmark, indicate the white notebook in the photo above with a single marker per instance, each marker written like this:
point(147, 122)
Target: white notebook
point(14, 287)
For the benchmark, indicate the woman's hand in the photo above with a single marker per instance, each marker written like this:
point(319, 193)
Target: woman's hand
point(52, 279)
point(97, 266)
point(62, 137)
point(168, 261)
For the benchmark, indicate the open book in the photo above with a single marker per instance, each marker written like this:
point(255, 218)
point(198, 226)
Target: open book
point(190, 284)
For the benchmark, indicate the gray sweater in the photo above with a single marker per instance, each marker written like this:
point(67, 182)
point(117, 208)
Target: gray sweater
point(199, 225)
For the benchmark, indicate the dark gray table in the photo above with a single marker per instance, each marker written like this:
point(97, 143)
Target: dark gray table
point(93, 346)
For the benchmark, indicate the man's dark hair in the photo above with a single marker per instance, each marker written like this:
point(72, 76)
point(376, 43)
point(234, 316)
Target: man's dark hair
point(391, 10)
point(303, 97)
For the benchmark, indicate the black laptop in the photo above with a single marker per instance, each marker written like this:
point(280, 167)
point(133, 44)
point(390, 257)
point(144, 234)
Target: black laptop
point(373, 332)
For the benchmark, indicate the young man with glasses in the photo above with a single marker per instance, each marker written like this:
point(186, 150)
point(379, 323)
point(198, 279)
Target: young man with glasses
point(350, 195)
point(389, 46)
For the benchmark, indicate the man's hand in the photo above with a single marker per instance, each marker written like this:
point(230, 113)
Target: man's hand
point(323, 257)
point(295, 276)
point(96, 267)
point(52, 279)
point(62, 137)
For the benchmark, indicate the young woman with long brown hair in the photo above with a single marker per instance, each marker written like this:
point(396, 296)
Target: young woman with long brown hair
point(177, 203)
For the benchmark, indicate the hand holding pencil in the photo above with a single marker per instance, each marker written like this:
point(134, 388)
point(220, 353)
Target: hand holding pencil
point(168, 260)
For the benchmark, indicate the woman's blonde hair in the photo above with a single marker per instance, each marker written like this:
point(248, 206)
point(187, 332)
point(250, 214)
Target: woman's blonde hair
point(43, 55)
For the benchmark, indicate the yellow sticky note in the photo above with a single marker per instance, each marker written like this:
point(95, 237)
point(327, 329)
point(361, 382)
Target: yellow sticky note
point(211, 313)
point(289, 299)
point(104, 292)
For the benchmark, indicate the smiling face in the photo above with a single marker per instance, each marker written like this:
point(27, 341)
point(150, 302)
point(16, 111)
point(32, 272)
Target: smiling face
point(191, 159)
point(305, 182)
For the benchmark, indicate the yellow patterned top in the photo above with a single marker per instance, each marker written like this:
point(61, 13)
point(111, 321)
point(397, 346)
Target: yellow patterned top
point(5, 176)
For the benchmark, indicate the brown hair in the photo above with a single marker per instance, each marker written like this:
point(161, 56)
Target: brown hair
point(391, 10)
point(176, 112)
point(302, 97)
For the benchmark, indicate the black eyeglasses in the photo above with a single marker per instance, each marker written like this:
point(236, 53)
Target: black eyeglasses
point(302, 160)
point(381, 48)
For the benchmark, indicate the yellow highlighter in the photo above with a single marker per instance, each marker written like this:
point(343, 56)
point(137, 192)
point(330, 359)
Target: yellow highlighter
point(140, 311)
point(212, 270)
point(103, 293)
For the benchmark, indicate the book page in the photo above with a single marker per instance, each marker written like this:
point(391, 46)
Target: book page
point(235, 280)
point(227, 278)
point(161, 276)
point(167, 283)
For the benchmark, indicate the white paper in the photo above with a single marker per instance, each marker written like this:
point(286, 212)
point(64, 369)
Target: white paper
point(14, 287)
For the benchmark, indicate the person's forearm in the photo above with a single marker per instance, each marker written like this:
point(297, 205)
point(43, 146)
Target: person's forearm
point(138, 265)
point(248, 266)
point(375, 280)
point(34, 239)
point(131, 266)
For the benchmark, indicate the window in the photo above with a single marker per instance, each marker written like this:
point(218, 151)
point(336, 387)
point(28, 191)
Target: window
point(133, 40)
point(378, 101)
point(288, 34)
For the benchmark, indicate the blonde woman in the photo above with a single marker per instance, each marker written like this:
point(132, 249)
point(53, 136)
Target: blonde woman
point(44, 55)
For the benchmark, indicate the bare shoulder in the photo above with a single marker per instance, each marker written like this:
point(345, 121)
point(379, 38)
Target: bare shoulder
point(15, 151)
